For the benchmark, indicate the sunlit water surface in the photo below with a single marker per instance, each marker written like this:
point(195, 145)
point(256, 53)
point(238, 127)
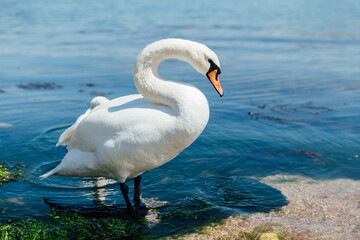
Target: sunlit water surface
point(290, 74)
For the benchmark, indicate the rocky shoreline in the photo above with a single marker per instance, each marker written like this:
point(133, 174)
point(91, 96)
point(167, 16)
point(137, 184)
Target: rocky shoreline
point(327, 209)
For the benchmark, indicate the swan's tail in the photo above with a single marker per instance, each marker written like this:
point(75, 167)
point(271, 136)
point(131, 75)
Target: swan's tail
point(77, 164)
point(66, 135)
point(49, 174)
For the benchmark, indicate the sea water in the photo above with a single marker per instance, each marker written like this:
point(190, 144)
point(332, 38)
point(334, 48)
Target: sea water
point(291, 81)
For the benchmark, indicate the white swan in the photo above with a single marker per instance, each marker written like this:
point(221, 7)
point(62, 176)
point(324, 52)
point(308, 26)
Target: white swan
point(65, 137)
point(124, 137)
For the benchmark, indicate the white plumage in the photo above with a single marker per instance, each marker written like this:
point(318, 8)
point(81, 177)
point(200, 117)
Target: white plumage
point(68, 133)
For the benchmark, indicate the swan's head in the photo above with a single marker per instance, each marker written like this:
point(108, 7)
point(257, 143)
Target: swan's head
point(213, 75)
point(203, 59)
point(206, 62)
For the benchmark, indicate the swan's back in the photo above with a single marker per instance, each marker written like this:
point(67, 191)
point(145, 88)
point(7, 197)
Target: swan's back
point(129, 120)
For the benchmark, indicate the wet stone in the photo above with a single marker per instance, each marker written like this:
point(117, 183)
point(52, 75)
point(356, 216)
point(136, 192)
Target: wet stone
point(41, 86)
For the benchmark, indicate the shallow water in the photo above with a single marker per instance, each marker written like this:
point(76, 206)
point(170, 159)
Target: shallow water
point(290, 74)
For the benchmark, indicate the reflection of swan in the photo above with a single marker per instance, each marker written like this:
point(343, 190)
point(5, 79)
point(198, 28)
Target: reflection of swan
point(68, 133)
point(99, 192)
point(124, 137)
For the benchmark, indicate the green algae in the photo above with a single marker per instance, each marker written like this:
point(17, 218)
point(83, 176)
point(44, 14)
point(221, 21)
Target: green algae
point(187, 210)
point(5, 176)
point(60, 224)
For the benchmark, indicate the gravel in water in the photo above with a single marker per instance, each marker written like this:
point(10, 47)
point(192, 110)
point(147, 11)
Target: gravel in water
point(328, 209)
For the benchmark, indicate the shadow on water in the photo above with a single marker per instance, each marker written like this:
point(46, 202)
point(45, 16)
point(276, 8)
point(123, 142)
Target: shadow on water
point(215, 201)
point(97, 210)
point(211, 202)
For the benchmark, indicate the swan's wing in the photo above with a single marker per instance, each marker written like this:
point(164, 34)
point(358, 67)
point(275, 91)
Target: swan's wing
point(127, 119)
point(123, 138)
point(68, 133)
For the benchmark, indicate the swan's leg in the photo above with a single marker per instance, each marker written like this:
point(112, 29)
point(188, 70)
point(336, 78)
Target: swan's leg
point(125, 190)
point(137, 191)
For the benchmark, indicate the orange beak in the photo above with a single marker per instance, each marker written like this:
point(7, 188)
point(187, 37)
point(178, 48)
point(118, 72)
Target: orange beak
point(213, 76)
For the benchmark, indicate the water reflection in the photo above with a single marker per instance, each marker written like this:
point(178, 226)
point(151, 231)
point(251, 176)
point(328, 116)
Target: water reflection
point(99, 190)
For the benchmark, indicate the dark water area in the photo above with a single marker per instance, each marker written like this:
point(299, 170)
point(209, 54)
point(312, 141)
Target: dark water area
point(291, 81)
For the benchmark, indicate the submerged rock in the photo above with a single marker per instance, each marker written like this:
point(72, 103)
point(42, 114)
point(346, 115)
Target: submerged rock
point(268, 236)
point(96, 93)
point(307, 153)
point(41, 86)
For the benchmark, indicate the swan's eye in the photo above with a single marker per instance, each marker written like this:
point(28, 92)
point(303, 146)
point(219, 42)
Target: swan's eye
point(213, 67)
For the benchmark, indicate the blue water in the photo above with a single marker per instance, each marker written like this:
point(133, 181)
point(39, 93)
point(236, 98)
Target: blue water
point(291, 81)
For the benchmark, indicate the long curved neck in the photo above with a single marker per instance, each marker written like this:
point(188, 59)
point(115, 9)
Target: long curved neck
point(148, 82)
point(189, 104)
